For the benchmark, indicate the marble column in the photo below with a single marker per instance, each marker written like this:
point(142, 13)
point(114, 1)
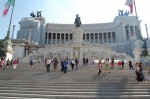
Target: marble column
point(94, 37)
point(56, 38)
point(64, 37)
point(129, 32)
point(60, 39)
point(68, 36)
point(51, 38)
point(134, 31)
point(102, 38)
point(47, 38)
point(90, 37)
point(107, 37)
point(85, 37)
point(111, 37)
point(98, 38)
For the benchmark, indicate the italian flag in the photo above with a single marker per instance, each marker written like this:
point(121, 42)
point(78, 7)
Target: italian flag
point(7, 5)
point(130, 4)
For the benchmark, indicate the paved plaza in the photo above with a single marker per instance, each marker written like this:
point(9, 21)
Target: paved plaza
point(84, 83)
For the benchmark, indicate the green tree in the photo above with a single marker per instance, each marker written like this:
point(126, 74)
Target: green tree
point(2, 52)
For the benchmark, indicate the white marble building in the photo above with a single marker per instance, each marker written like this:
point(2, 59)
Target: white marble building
point(120, 34)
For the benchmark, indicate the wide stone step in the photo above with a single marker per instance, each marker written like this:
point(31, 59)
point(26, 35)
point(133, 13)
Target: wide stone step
point(76, 85)
point(70, 96)
point(12, 89)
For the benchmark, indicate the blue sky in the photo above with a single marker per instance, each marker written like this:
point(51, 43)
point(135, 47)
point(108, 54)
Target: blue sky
point(64, 11)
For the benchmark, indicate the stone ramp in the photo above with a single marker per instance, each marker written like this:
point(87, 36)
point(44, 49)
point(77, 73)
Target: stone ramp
point(84, 83)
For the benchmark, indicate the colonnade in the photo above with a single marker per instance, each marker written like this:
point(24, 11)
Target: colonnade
point(130, 32)
point(100, 38)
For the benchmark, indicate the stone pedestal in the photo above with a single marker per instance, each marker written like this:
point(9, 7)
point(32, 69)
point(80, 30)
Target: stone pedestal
point(138, 49)
point(77, 35)
point(8, 48)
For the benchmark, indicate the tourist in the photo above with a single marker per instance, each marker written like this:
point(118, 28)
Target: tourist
point(119, 65)
point(76, 63)
point(1, 63)
point(31, 64)
point(141, 71)
point(48, 62)
point(35, 61)
point(137, 71)
point(11, 62)
point(7, 63)
point(72, 64)
point(112, 63)
point(65, 65)
point(122, 61)
point(15, 64)
point(62, 64)
point(55, 63)
point(130, 65)
point(148, 69)
point(45, 61)
point(99, 67)
point(84, 63)
point(17, 60)
point(87, 61)
point(106, 62)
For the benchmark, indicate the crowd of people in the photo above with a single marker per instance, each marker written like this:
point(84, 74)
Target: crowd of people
point(64, 63)
point(7, 63)
point(138, 68)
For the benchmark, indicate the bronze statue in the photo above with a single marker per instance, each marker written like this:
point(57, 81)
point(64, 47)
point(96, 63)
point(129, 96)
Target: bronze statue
point(38, 13)
point(77, 21)
point(32, 14)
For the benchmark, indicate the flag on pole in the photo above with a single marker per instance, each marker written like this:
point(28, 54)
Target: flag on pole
point(130, 4)
point(7, 5)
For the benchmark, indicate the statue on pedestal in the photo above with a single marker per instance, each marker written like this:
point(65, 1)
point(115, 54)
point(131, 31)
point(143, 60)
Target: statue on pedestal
point(77, 21)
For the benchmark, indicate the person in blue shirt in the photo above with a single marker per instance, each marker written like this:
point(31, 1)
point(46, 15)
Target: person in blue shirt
point(76, 63)
point(65, 65)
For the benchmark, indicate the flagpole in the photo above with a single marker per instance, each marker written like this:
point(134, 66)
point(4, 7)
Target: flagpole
point(8, 32)
point(138, 27)
point(135, 11)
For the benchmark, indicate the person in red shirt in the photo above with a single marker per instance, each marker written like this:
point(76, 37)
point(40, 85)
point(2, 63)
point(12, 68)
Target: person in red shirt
point(15, 64)
point(119, 65)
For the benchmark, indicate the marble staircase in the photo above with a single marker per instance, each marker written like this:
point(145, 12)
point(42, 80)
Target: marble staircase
point(84, 83)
